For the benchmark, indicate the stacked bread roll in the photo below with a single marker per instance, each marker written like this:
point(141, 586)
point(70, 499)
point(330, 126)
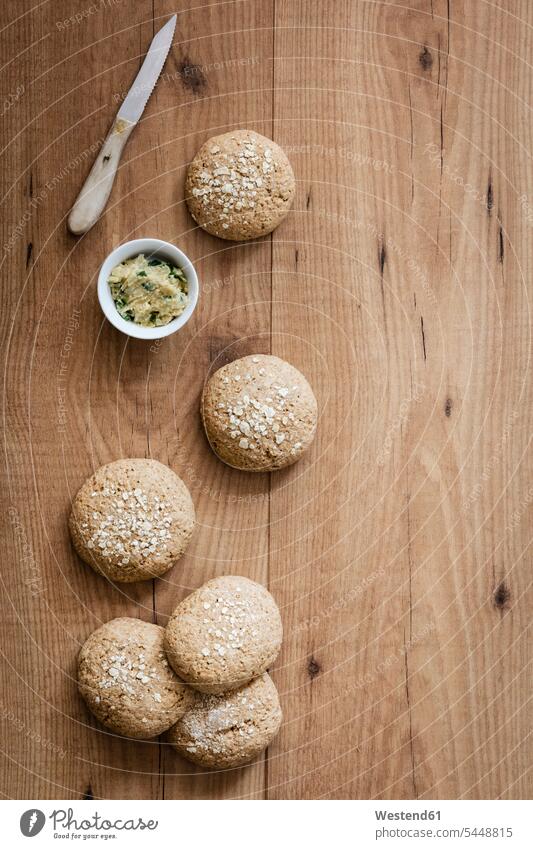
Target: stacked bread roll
point(202, 679)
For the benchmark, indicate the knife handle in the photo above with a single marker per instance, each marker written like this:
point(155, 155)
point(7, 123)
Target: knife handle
point(95, 192)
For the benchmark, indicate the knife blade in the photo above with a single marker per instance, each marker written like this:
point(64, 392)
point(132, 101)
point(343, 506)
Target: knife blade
point(95, 192)
point(143, 85)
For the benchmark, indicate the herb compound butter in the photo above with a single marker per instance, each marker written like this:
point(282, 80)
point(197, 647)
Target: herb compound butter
point(148, 291)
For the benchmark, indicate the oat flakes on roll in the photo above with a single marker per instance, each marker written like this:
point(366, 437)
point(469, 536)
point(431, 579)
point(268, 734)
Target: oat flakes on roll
point(240, 185)
point(259, 413)
point(132, 520)
point(126, 681)
point(224, 634)
point(229, 730)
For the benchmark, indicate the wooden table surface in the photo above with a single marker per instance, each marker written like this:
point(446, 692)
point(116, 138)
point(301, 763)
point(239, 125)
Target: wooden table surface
point(398, 548)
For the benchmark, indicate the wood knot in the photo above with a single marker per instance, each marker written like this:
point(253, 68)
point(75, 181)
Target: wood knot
point(88, 793)
point(501, 596)
point(501, 245)
point(313, 668)
point(426, 59)
point(382, 257)
point(490, 196)
point(192, 76)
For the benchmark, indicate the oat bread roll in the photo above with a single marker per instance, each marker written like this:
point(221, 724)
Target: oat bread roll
point(259, 413)
point(240, 185)
point(229, 730)
point(224, 634)
point(126, 681)
point(132, 520)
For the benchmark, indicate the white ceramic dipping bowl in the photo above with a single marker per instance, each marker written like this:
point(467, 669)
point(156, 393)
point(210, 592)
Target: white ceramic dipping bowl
point(150, 248)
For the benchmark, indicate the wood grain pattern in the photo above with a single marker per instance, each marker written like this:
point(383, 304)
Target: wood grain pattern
point(399, 548)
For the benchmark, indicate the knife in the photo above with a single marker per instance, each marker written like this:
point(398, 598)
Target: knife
point(93, 197)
